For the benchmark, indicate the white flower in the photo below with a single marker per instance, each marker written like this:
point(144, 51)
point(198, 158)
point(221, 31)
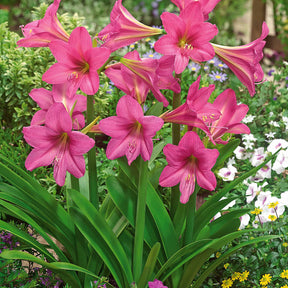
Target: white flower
point(264, 172)
point(271, 114)
point(284, 198)
point(270, 135)
point(252, 191)
point(263, 199)
point(227, 173)
point(281, 162)
point(248, 137)
point(240, 153)
point(244, 221)
point(231, 161)
point(248, 119)
point(248, 144)
point(274, 123)
point(285, 121)
point(276, 144)
point(258, 157)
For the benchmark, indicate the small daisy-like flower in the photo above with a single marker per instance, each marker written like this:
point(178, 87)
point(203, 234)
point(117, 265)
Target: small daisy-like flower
point(235, 276)
point(244, 276)
point(218, 254)
point(227, 283)
point(256, 211)
point(274, 123)
point(266, 279)
point(213, 60)
point(194, 67)
point(248, 119)
point(218, 76)
point(270, 135)
point(273, 204)
point(284, 274)
point(152, 55)
point(272, 218)
point(285, 244)
point(270, 72)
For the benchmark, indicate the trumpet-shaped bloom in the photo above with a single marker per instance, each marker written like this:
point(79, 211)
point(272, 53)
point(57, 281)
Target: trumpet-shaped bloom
point(187, 37)
point(63, 94)
point(78, 62)
point(40, 33)
point(231, 116)
point(136, 76)
point(56, 144)
point(189, 162)
point(244, 60)
point(124, 29)
point(206, 5)
point(130, 130)
point(196, 111)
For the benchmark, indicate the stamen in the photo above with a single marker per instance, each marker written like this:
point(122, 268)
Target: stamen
point(72, 76)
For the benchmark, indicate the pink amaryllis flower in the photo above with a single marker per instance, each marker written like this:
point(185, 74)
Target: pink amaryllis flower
point(130, 130)
point(231, 116)
point(60, 93)
point(196, 111)
point(78, 62)
point(187, 37)
point(56, 144)
point(124, 29)
point(189, 162)
point(244, 60)
point(206, 5)
point(136, 76)
point(40, 33)
point(156, 284)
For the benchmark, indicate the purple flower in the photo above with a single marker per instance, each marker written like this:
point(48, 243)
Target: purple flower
point(194, 67)
point(270, 72)
point(218, 76)
point(156, 284)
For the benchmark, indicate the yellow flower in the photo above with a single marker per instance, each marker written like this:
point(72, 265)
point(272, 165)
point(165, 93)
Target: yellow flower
point(284, 274)
point(235, 275)
point(243, 276)
point(227, 283)
point(285, 244)
point(226, 265)
point(218, 254)
point(256, 211)
point(266, 279)
point(285, 286)
point(273, 204)
point(272, 217)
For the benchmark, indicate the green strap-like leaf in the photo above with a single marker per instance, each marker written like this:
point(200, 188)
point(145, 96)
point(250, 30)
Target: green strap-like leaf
point(101, 247)
point(149, 266)
point(100, 225)
point(27, 239)
point(62, 268)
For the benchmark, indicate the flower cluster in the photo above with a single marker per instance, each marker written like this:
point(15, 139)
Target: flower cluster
point(55, 133)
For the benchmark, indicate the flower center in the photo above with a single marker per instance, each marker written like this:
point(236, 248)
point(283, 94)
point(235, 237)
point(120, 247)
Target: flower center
point(183, 44)
point(85, 68)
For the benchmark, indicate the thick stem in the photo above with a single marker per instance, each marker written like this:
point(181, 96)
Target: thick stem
point(175, 193)
point(92, 165)
point(190, 217)
point(140, 221)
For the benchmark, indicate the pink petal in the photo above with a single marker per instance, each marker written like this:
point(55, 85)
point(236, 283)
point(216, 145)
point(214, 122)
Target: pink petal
point(206, 179)
point(39, 118)
point(58, 119)
point(181, 63)
point(125, 110)
point(42, 97)
point(75, 165)
point(116, 127)
point(173, 24)
point(166, 45)
point(79, 143)
point(187, 186)
point(170, 176)
point(38, 158)
point(90, 83)
point(80, 40)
